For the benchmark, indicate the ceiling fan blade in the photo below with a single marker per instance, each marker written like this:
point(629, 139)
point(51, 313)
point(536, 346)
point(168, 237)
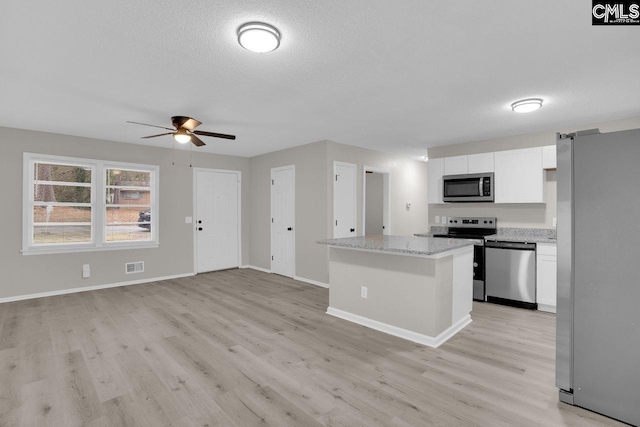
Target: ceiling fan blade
point(155, 136)
point(215, 135)
point(153, 126)
point(185, 122)
point(197, 141)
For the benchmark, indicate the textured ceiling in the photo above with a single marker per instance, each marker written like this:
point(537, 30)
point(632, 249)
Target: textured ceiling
point(395, 76)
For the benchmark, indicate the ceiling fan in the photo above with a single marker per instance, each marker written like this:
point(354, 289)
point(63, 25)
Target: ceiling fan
point(184, 131)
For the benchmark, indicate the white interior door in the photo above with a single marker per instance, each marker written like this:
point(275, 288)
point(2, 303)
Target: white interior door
point(344, 200)
point(283, 220)
point(216, 221)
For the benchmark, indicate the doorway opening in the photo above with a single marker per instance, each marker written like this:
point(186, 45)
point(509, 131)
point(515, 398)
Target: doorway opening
point(375, 203)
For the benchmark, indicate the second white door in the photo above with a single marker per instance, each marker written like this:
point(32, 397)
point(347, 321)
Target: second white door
point(282, 221)
point(344, 200)
point(217, 243)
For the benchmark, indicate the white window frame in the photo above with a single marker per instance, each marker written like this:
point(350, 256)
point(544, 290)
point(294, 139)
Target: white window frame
point(98, 206)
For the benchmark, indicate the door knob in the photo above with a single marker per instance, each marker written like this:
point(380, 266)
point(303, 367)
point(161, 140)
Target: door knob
point(199, 228)
point(352, 230)
point(289, 229)
point(199, 222)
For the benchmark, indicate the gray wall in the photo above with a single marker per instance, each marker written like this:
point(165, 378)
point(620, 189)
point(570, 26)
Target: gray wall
point(374, 201)
point(310, 210)
point(314, 199)
point(22, 275)
point(407, 183)
point(516, 215)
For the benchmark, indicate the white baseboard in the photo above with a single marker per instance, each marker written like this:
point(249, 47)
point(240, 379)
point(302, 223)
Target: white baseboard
point(547, 307)
point(92, 288)
point(313, 282)
point(255, 267)
point(406, 334)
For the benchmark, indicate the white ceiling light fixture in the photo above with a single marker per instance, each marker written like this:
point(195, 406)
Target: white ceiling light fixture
point(182, 136)
point(258, 37)
point(526, 105)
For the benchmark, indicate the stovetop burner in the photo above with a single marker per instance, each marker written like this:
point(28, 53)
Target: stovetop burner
point(470, 228)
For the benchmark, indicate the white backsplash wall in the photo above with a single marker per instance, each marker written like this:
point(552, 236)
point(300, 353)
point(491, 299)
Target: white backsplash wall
point(526, 215)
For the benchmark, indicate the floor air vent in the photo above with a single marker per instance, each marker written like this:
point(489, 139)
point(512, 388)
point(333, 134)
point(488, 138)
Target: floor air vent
point(134, 267)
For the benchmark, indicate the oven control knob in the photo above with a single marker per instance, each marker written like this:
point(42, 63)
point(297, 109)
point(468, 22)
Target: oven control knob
point(475, 264)
point(485, 222)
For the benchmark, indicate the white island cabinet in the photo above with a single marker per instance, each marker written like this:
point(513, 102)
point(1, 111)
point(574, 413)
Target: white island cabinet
point(519, 176)
point(546, 276)
point(416, 288)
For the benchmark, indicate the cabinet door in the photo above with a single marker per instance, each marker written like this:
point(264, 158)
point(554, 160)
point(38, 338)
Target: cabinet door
point(480, 163)
point(549, 157)
point(455, 165)
point(547, 266)
point(435, 170)
point(519, 177)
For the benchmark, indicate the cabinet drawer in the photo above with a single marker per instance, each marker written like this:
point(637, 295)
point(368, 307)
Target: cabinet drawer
point(546, 249)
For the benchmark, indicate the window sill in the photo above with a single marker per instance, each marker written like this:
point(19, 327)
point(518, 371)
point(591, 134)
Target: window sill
point(69, 250)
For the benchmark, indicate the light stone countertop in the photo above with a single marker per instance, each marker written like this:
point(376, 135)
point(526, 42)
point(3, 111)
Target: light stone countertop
point(528, 235)
point(418, 246)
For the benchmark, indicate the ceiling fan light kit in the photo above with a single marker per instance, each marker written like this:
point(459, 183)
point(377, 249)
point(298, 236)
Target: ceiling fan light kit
point(258, 37)
point(182, 136)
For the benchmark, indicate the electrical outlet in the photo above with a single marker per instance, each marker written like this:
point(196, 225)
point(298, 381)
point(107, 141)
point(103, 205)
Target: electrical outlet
point(188, 220)
point(555, 222)
point(86, 271)
point(444, 219)
point(437, 219)
point(408, 205)
point(363, 291)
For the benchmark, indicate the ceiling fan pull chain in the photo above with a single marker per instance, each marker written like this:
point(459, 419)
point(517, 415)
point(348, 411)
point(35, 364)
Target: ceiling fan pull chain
point(173, 152)
point(190, 155)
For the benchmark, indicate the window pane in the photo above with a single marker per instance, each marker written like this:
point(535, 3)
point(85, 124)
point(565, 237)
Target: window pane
point(127, 178)
point(61, 214)
point(61, 193)
point(128, 215)
point(63, 173)
point(123, 196)
point(129, 232)
point(61, 234)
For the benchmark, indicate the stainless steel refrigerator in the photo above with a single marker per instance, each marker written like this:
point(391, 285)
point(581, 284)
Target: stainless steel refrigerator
point(598, 313)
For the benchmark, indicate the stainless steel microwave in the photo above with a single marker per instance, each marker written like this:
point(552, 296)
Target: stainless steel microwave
point(472, 187)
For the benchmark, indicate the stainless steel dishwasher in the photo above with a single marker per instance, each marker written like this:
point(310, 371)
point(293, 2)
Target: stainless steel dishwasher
point(510, 273)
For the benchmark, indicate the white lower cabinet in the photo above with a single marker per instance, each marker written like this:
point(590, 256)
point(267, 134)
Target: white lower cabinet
point(546, 276)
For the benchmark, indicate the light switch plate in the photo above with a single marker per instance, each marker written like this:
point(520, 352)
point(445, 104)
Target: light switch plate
point(363, 291)
point(188, 220)
point(437, 219)
point(86, 271)
point(555, 222)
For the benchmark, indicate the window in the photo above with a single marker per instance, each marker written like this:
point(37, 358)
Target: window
point(73, 205)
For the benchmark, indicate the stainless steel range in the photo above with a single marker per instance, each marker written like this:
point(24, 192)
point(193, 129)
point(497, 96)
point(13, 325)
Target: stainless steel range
point(473, 228)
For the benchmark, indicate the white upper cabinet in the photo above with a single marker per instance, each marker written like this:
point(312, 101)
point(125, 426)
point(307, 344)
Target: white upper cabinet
point(456, 165)
point(435, 170)
point(480, 163)
point(519, 177)
point(549, 157)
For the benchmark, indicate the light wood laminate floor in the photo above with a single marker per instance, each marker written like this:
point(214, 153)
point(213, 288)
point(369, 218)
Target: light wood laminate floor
point(245, 348)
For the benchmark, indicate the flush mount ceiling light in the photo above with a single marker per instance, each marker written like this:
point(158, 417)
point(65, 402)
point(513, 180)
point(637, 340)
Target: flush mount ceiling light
point(182, 136)
point(258, 37)
point(526, 105)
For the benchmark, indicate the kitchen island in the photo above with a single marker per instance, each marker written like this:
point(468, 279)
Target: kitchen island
point(416, 288)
